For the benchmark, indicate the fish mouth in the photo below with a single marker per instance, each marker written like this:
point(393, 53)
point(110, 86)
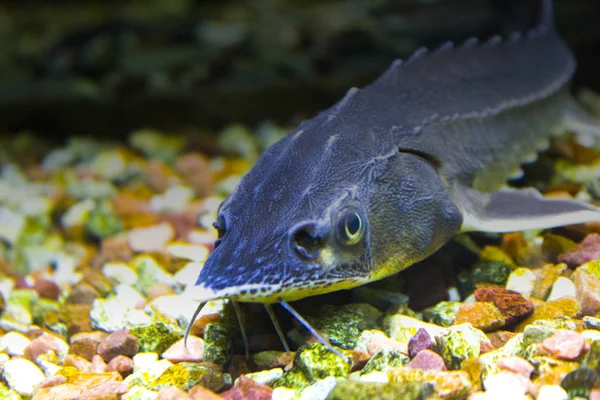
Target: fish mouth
point(272, 293)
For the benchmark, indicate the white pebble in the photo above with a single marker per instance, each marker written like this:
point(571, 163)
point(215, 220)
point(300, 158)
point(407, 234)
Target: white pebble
point(188, 251)
point(11, 225)
point(283, 393)
point(176, 306)
point(14, 343)
point(320, 390)
point(267, 377)
point(22, 376)
point(521, 280)
point(508, 383)
point(552, 392)
point(120, 272)
point(187, 275)
point(562, 287)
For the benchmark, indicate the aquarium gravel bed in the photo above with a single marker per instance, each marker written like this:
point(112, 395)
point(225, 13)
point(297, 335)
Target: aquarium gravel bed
point(99, 241)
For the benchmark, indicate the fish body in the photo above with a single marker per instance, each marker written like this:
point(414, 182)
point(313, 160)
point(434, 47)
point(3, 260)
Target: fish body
point(394, 170)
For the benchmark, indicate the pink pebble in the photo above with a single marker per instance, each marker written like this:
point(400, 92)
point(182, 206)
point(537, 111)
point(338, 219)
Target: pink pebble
point(428, 360)
point(564, 345)
point(516, 364)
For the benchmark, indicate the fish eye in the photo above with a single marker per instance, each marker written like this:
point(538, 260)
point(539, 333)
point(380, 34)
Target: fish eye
point(221, 228)
point(350, 227)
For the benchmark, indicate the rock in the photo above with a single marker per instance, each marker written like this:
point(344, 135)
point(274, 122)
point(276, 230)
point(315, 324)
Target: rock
point(83, 293)
point(178, 352)
point(549, 274)
point(491, 271)
point(45, 343)
point(195, 170)
point(199, 392)
point(427, 359)
point(47, 288)
point(121, 364)
point(552, 392)
point(12, 224)
point(105, 390)
point(52, 381)
point(515, 364)
point(458, 343)
point(151, 238)
point(22, 376)
point(587, 288)
point(511, 304)
point(86, 344)
point(313, 362)
point(188, 251)
point(482, 315)
point(176, 306)
point(373, 340)
point(419, 341)
point(172, 393)
point(563, 307)
point(120, 342)
point(272, 359)
point(185, 375)
point(564, 345)
point(348, 389)
point(521, 280)
point(14, 343)
point(342, 325)
point(587, 250)
point(174, 200)
point(444, 313)
point(98, 365)
point(114, 248)
point(218, 346)
point(445, 384)
point(507, 385)
point(266, 377)
point(156, 336)
point(579, 382)
point(562, 287)
point(73, 360)
point(402, 327)
point(112, 313)
point(138, 392)
point(120, 273)
point(383, 360)
point(150, 272)
point(249, 390)
point(320, 389)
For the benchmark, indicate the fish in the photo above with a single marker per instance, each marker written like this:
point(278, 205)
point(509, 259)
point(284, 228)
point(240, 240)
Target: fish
point(396, 169)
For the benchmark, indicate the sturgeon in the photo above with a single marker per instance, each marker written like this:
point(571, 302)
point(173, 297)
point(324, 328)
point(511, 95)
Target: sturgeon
point(392, 171)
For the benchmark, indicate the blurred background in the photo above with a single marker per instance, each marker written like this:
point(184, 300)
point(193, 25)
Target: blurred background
point(107, 67)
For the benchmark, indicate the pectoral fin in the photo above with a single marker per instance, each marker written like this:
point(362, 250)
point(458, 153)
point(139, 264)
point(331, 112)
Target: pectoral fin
point(510, 210)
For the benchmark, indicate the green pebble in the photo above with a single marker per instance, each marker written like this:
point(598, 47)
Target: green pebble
point(383, 360)
point(444, 313)
point(25, 298)
point(186, 375)
point(311, 363)
point(592, 359)
point(218, 343)
point(343, 325)
point(41, 308)
point(458, 343)
point(101, 224)
point(357, 390)
point(156, 336)
point(491, 271)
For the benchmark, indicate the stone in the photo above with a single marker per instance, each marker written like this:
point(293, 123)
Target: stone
point(185, 375)
point(195, 170)
point(218, 347)
point(515, 364)
point(266, 377)
point(179, 352)
point(401, 328)
point(348, 389)
point(564, 307)
point(86, 344)
point(105, 390)
point(52, 381)
point(521, 280)
point(458, 343)
point(151, 238)
point(482, 315)
point(272, 359)
point(199, 392)
point(562, 287)
point(176, 306)
point(112, 314)
point(120, 272)
point(587, 288)
point(552, 392)
point(548, 275)
point(47, 288)
point(120, 342)
point(444, 313)
point(82, 293)
point(587, 250)
point(419, 341)
point(121, 364)
point(45, 343)
point(512, 305)
point(373, 340)
point(174, 200)
point(383, 360)
point(14, 343)
point(73, 360)
point(99, 366)
point(491, 271)
point(564, 345)
point(157, 335)
point(22, 376)
point(507, 384)
point(342, 325)
point(172, 393)
point(427, 359)
point(445, 384)
point(150, 272)
point(313, 362)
